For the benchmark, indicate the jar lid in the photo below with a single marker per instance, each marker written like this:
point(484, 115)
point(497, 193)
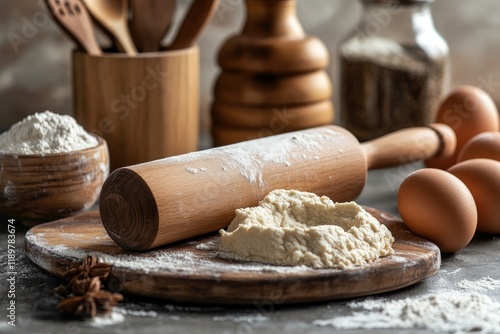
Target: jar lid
point(400, 2)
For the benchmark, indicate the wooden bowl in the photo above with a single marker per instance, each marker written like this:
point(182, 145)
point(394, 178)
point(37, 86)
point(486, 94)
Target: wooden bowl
point(41, 188)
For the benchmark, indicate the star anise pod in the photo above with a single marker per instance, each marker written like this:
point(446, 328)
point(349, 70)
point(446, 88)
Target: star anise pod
point(94, 301)
point(105, 300)
point(83, 293)
point(79, 287)
point(80, 276)
point(63, 290)
point(90, 267)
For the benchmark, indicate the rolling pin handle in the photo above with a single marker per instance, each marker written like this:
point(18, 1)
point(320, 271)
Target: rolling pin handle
point(409, 145)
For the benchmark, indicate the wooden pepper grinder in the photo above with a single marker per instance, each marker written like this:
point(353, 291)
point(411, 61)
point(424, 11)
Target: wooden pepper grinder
point(273, 77)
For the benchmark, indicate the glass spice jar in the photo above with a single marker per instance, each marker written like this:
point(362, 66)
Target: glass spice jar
point(394, 68)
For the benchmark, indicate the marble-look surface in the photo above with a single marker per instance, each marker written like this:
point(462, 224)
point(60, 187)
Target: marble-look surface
point(35, 72)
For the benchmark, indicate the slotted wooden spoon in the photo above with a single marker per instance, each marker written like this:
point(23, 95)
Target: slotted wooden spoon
point(112, 15)
point(74, 19)
point(199, 14)
point(150, 22)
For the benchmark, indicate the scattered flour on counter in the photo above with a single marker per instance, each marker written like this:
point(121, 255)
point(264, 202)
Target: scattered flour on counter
point(112, 318)
point(207, 246)
point(46, 133)
point(452, 272)
point(251, 318)
point(136, 313)
point(294, 228)
point(141, 313)
point(441, 312)
point(484, 284)
point(118, 315)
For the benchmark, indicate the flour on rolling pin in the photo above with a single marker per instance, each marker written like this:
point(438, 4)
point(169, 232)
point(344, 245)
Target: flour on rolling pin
point(253, 158)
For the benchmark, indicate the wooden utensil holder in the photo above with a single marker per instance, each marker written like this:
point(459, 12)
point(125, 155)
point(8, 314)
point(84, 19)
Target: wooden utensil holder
point(273, 78)
point(146, 106)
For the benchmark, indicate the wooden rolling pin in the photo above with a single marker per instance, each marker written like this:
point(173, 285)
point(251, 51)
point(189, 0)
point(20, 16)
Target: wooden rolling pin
point(163, 201)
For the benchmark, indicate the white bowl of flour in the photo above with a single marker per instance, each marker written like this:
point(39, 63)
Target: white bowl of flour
point(50, 168)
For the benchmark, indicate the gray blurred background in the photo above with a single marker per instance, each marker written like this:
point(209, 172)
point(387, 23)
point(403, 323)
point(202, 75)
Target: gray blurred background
point(35, 73)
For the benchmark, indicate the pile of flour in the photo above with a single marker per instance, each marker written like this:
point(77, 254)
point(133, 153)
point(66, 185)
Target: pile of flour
point(290, 227)
point(448, 311)
point(442, 312)
point(46, 133)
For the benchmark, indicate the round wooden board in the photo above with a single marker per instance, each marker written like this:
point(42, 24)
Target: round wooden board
point(194, 272)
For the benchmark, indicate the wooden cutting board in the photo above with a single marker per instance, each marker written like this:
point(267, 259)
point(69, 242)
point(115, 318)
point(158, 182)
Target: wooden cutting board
point(194, 272)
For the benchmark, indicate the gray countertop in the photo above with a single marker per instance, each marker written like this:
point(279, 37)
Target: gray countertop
point(35, 302)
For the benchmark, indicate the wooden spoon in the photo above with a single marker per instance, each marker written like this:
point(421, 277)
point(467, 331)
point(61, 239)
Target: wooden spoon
point(74, 19)
point(150, 22)
point(113, 16)
point(200, 12)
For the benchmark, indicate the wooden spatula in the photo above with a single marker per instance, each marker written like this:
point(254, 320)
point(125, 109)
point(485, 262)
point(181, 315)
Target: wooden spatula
point(73, 18)
point(200, 12)
point(150, 22)
point(113, 16)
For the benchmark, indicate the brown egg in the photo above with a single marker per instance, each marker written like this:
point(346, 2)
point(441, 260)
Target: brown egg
point(438, 206)
point(484, 145)
point(482, 177)
point(468, 111)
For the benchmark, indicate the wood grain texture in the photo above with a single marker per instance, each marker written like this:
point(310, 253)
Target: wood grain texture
point(249, 89)
point(272, 18)
point(276, 119)
point(274, 56)
point(264, 122)
point(205, 187)
point(112, 15)
point(39, 188)
point(150, 22)
point(412, 144)
point(228, 135)
point(184, 273)
point(146, 107)
point(74, 19)
point(273, 41)
point(270, 63)
point(195, 20)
